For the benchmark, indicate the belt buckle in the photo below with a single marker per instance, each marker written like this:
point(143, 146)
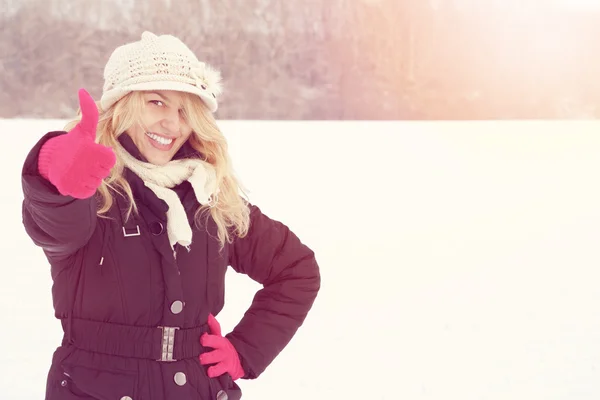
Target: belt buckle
point(168, 341)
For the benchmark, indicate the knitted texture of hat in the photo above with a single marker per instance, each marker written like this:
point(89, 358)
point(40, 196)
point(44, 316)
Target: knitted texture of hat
point(159, 63)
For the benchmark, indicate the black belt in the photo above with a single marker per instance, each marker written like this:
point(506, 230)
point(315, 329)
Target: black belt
point(153, 343)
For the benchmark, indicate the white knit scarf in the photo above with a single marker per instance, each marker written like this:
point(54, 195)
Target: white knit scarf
point(161, 178)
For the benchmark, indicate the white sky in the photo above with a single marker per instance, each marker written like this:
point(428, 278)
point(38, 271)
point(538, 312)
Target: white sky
point(459, 260)
point(580, 4)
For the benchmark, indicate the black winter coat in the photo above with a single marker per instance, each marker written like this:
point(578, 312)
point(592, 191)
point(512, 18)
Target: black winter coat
point(119, 288)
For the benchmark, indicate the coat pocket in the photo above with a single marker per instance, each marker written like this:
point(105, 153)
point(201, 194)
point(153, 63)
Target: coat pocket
point(228, 385)
point(88, 383)
point(219, 388)
point(61, 387)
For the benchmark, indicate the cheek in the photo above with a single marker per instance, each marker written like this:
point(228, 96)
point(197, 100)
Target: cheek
point(187, 132)
point(134, 132)
point(149, 118)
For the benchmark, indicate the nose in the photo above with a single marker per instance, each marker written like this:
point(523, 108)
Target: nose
point(171, 121)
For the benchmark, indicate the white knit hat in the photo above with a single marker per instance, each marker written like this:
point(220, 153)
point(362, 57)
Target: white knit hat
point(158, 63)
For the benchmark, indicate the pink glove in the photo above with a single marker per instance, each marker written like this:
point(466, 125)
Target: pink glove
point(225, 356)
point(74, 163)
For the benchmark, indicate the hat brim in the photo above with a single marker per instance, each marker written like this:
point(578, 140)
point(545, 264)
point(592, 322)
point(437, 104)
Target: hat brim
point(112, 96)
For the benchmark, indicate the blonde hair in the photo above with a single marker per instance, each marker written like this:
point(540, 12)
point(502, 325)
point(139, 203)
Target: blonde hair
point(230, 213)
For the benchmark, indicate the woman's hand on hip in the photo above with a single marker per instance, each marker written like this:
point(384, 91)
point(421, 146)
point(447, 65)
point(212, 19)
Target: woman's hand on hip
point(225, 357)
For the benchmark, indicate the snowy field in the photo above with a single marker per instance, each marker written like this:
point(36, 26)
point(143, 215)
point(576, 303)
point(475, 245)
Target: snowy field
point(460, 260)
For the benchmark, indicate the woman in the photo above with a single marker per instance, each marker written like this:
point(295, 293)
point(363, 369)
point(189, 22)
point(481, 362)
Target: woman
point(139, 215)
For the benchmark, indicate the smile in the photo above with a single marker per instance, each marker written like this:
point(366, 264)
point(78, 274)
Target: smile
point(159, 139)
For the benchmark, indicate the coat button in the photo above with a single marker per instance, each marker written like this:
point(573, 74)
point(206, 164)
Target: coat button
point(63, 383)
point(126, 398)
point(222, 395)
point(156, 228)
point(180, 378)
point(176, 307)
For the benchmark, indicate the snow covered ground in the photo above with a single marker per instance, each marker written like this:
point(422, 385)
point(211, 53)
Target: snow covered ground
point(460, 260)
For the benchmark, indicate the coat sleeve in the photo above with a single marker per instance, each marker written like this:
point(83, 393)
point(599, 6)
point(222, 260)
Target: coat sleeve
point(274, 256)
point(59, 224)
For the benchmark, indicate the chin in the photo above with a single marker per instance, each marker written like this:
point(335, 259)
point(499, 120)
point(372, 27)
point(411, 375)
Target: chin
point(156, 159)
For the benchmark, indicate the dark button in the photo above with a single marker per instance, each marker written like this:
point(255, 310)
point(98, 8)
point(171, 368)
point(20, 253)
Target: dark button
point(156, 228)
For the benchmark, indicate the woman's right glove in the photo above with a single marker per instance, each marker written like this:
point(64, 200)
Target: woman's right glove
point(74, 162)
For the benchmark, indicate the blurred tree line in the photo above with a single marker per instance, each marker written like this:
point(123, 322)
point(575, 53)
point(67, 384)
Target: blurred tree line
point(319, 59)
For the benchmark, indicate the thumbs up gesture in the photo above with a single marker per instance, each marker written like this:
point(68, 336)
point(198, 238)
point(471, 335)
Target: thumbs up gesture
point(74, 163)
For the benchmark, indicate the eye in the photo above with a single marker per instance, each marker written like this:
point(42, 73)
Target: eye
point(158, 103)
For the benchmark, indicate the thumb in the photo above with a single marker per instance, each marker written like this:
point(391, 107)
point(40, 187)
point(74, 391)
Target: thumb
point(213, 325)
point(89, 113)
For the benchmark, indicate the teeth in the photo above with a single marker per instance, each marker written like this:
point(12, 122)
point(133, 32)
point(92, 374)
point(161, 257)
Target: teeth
point(159, 139)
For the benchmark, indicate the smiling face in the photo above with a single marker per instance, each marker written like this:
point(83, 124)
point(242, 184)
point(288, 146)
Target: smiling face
point(163, 128)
